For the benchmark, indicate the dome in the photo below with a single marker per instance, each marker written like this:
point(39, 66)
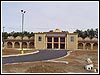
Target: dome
point(94, 39)
point(87, 38)
point(79, 38)
point(10, 37)
point(57, 30)
point(18, 37)
point(25, 38)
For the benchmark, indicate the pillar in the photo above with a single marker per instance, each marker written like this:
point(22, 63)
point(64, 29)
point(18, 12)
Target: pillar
point(52, 42)
point(84, 45)
point(27, 44)
point(13, 46)
point(65, 43)
point(59, 42)
point(20, 44)
point(91, 46)
point(5, 44)
point(46, 43)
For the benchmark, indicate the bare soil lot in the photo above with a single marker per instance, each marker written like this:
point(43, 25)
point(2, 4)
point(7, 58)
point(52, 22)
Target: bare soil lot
point(77, 61)
point(14, 51)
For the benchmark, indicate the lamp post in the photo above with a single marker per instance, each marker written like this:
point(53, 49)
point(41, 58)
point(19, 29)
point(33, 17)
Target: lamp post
point(23, 12)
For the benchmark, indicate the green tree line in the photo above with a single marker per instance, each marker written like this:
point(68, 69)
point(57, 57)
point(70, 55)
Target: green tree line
point(15, 34)
point(91, 33)
point(88, 33)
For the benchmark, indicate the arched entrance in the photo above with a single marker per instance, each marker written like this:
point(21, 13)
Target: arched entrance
point(24, 45)
point(31, 45)
point(80, 45)
point(17, 45)
point(95, 46)
point(88, 46)
point(9, 45)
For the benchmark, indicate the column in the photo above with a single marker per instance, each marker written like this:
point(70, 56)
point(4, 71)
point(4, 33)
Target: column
point(91, 46)
point(52, 42)
point(59, 42)
point(20, 44)
point(13, 44)
point(84, 45)
point(65, 43)
point(5, 44)
point(27, 44)
point(46, 42)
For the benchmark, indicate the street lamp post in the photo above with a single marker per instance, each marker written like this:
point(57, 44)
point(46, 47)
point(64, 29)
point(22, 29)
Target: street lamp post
point(23, 12)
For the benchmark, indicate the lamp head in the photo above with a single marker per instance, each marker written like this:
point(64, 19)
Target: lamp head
point(21, 10)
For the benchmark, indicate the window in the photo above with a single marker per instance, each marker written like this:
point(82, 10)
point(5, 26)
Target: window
point(56, 45)
point(62, 46)
point(49, 39)
point(55, 39)
point(40, 38)
point(49, 45)
point(72, 39)
point(62, 39)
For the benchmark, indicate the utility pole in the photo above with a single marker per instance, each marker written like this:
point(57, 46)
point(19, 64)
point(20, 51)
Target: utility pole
point(23, 12)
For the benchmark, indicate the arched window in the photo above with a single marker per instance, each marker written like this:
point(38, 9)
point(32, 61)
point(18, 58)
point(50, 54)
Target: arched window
point(9, 44)
point(95, 46)
point(80, 45)
point(39, 38)
point(24, 44)
point(31, 44)
point(17, 45)
point(72, 39)
point(88, 46)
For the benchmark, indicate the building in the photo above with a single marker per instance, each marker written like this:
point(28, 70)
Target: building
point(56, 40)
point(53, 40)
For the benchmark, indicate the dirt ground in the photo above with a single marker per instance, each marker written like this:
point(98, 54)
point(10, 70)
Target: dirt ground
point(14, 51)
point(76, 62)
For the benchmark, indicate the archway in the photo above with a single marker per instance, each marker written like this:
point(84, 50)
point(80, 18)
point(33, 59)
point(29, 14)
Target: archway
point(17, 45)
point(24, 45)
point(80, 45)
point(9, 45)
point(88, 46)
point(95, 46)
point(31, 45)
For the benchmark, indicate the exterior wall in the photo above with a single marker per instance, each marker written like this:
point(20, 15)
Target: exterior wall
point(88, 44)
point(72, 44)
point(17, 43)
point(40, 44)
point(33, 42)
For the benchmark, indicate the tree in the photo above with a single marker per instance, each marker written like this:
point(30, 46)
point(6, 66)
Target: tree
point(4, 35)
point(96, 32)
point(91, 33)
point(85, 34)
point(31, 34)
point(80, 33)
point(88, 33)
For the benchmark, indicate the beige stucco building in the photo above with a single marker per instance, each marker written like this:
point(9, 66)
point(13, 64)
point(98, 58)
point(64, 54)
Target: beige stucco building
point(52, 40)
point(56, 40)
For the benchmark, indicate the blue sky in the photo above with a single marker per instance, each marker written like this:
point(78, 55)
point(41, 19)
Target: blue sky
point(45, 16)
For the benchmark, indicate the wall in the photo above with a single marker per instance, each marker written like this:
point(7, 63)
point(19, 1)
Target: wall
point(40, 44)
point(72, 44)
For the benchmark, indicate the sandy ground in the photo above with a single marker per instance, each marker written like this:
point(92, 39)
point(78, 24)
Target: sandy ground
point(14, 51)
point(76, 62)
